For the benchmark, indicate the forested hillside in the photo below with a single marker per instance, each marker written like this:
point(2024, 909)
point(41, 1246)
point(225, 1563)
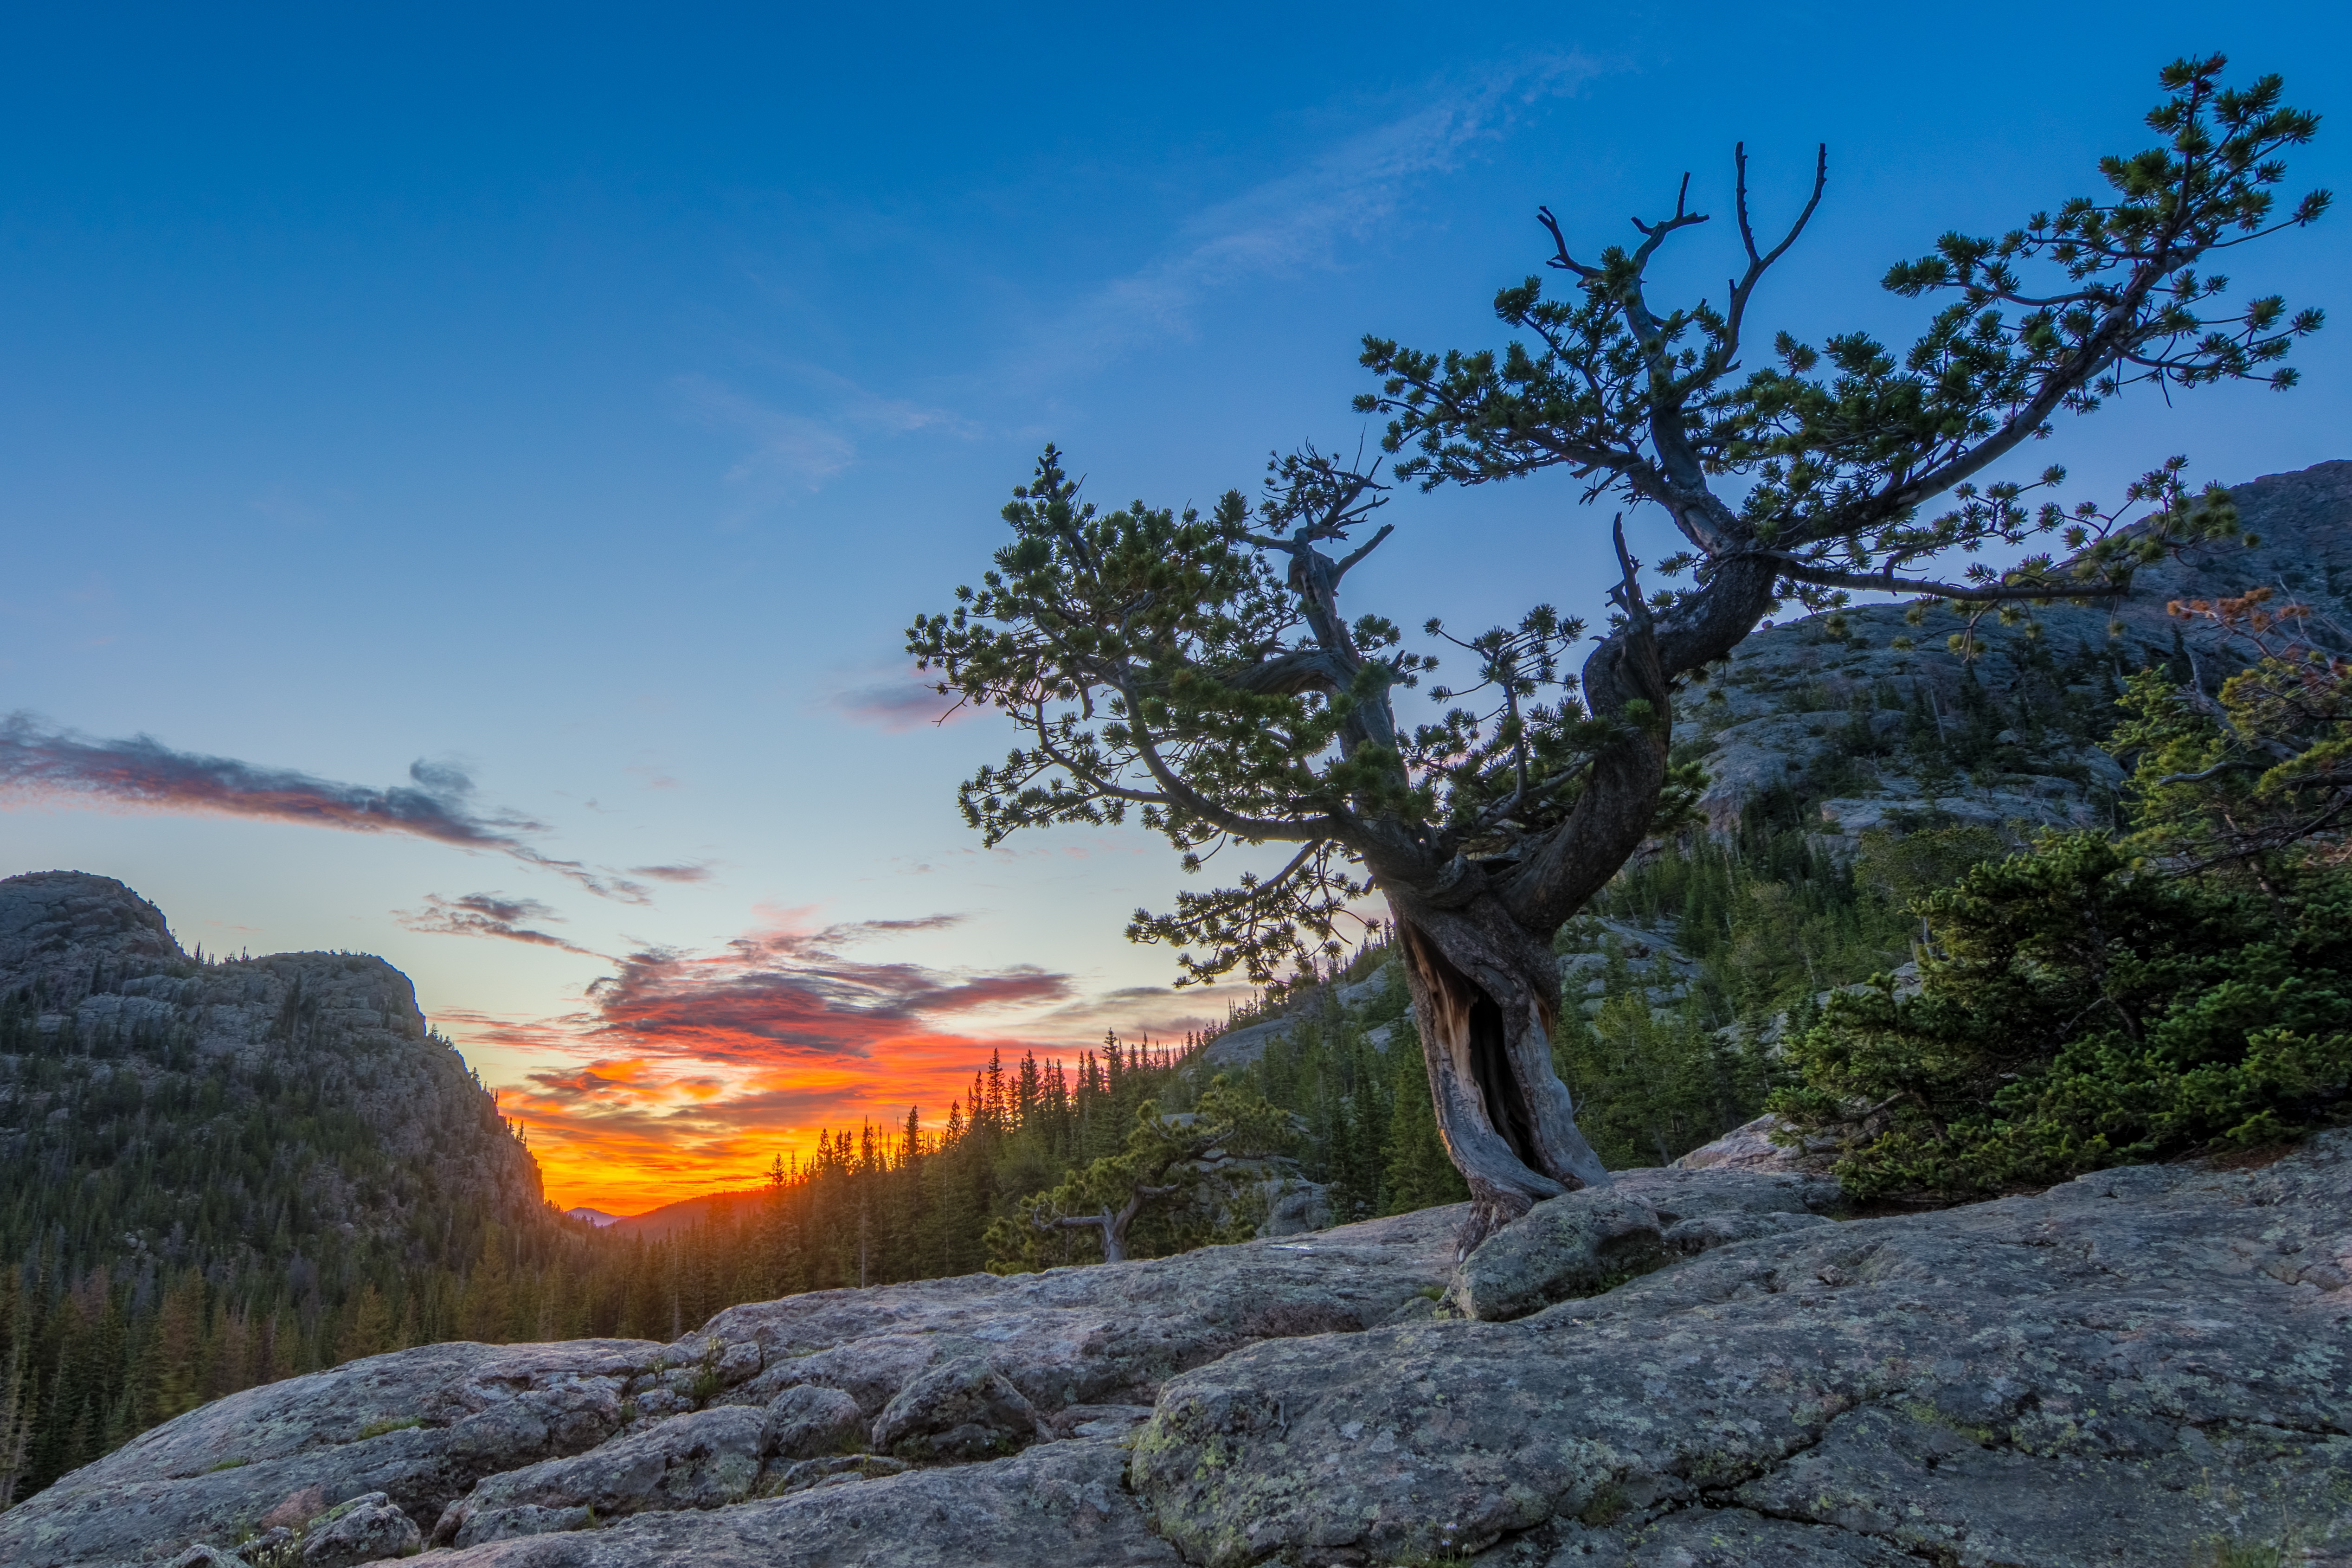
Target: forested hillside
point(213, 1173)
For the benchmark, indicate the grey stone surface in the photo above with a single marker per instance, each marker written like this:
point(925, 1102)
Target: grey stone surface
point(1714, 1205)
point(1727, 1538)
point(963, 1410)
point(421, 1426)
point(425, 1426)
point(1100, 1420)
point(365, 1529)
point(1681, 1193)
point(1058, 1505)
point(806, 1421)
point(1748, 1147)
point(836, 1470)
point(2122, 1372)
point(1564, 1247)
point(1101, 1335)
point(707, 1458)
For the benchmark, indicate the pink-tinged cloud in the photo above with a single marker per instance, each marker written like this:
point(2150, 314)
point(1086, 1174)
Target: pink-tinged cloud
point(780, 994)
point(489, 914)
point(41, 763)
point(908, 702)
point(691, 872)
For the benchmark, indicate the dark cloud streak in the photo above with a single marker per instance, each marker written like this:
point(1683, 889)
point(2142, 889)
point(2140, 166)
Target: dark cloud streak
point(489, 914)
point(44, 761)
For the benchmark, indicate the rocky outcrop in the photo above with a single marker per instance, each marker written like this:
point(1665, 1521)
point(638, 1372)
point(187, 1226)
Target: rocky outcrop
point(1784, 694)
point(419, 1426)
point(367, 1529)
point(2126, 1371)
point(707, 1458)
point(963, 1410)
point(1576, 1244)
point(806, 1421)
point(93, 983)
point(472, 1429)
point(1241, 1047)
point(1062, 1505)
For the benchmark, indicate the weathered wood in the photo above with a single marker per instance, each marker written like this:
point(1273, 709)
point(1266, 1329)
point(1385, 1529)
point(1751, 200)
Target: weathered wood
point(1485, 995)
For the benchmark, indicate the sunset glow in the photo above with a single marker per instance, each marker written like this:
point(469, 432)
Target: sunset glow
point(690, 1074)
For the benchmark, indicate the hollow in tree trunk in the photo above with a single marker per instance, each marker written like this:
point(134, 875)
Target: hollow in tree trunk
point(1485, 998)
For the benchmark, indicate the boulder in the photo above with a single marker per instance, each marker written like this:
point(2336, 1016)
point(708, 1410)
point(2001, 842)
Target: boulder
point(1575, 1244)
point(1748, 1147)
point(705, 1459)
point(837, 1469)
point(2138, 1367)
point(964, 1410)
point(1714, 1205)
point(366, 1529)
point(806, 1421)
point(1293, 1206)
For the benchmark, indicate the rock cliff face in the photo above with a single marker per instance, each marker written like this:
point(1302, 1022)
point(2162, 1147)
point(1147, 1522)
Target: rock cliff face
point(2129, 1370)
point(1788, 694)
point(114, 1046)
point(215, 1174)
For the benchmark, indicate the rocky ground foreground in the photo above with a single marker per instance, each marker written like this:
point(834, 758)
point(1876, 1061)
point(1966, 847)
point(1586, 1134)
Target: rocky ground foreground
point(1694, 1367)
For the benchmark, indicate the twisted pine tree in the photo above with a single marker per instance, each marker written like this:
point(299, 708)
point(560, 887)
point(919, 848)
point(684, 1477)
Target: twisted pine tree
point(1199, 670)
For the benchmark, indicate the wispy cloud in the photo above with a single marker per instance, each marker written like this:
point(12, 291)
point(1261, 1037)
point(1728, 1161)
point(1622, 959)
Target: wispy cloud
point(40, 763)
point(693, 871)
point(907, 699)
point(489, 914)
point(1302, 219)
point(795, 451)
point(803, 434)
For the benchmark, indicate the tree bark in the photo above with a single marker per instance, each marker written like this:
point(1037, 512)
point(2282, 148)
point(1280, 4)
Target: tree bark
point(1485, 996)
point(1111, 1229)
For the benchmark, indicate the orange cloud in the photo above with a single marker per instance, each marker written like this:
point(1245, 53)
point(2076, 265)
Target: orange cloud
point(689, 1073)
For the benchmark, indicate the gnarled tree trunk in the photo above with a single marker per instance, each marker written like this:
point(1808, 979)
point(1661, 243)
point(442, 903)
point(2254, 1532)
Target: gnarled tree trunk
point(1485, 996)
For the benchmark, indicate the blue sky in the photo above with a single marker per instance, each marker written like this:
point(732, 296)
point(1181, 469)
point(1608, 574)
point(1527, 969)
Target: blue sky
point(580, 401)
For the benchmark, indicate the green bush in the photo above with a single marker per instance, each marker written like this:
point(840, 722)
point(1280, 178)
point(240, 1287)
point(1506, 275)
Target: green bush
point(2079, 1010)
